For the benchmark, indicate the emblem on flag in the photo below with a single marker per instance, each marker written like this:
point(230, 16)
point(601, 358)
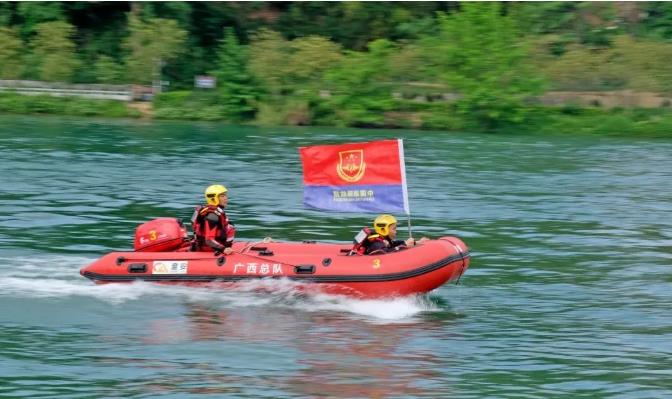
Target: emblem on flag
point(351, 165)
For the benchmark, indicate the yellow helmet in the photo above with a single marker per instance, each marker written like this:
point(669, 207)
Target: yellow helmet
point(213, 192)
point(382, 224)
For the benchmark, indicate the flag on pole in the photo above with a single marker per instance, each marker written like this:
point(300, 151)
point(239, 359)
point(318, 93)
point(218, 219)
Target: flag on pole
point(355, 177)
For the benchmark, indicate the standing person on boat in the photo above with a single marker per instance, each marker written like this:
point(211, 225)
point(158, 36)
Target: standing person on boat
point(212, 228)
point(382, 239)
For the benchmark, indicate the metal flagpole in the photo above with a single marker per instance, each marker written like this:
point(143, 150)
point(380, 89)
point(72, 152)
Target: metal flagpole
point(402, 165)
point(410, 234)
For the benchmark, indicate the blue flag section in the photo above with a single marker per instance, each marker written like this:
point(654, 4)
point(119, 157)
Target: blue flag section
point(370, 198)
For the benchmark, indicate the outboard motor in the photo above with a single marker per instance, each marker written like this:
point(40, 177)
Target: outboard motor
point(160, 235)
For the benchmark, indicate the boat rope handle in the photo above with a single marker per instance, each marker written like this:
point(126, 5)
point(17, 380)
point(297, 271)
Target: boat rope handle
point(250, 245)
point(247, 247)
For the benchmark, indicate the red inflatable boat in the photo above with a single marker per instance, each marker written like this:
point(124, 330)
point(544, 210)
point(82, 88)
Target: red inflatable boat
point(320, 267)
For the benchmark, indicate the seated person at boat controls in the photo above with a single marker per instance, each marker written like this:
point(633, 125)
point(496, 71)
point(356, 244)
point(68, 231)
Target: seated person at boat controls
point(382, 239)
point(212, 228)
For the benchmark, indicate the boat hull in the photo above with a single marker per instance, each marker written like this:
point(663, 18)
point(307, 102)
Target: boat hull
point(314, 267)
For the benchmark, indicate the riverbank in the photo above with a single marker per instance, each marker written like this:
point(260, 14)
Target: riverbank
point(653, 122)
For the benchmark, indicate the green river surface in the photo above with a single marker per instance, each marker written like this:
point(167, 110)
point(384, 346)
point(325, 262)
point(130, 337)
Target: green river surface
point(569, 293)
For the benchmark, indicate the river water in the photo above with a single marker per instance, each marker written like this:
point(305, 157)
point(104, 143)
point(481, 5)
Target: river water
point(568, 294)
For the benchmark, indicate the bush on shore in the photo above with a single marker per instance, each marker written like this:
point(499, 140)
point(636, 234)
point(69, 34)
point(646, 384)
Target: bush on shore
point(13, 103)
point(202, 106)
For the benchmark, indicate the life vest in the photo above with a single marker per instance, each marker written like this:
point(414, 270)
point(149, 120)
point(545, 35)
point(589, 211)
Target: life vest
point(204, 214)
point(363, 240)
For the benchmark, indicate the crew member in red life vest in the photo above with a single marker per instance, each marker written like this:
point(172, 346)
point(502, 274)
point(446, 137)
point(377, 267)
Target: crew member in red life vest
point(211, 226)
point(382, 239)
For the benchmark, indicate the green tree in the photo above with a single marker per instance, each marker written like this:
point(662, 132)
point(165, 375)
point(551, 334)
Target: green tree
point(629, 64)
point(150, 45)
point(101, 28)
point(288, 66)
point(55, 50)
point(291, 74)
point(359, 86)
point(11, 65)
point(5, 13)
point(545, 17)
point(179, 11)
point(106, 70)
point(658, 19)
point(478, 52)
point(235, 86)
point(268, 54)
point(354, 24)
point(310, 57)
point(409, 64)
point(33, 13)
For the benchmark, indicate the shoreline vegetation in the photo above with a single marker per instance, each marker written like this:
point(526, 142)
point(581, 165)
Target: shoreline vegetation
point(566, 119)
point(557, 67)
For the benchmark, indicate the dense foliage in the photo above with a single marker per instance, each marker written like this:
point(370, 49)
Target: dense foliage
point(447, 65)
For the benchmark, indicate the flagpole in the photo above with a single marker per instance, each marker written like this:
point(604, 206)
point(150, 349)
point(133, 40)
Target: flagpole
point(402, 166)
point(410, 235)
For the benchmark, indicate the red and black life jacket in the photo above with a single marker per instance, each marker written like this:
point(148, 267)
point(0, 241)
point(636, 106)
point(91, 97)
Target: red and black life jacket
point(204, 214)
point(363, 240)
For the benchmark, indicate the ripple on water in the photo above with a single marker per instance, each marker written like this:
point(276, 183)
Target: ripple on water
point(566, 295)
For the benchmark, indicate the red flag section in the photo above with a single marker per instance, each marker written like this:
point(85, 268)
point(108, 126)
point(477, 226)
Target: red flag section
point(374, 162)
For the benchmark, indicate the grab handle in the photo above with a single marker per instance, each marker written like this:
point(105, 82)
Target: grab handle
point(304, 269)
point(137, 268)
